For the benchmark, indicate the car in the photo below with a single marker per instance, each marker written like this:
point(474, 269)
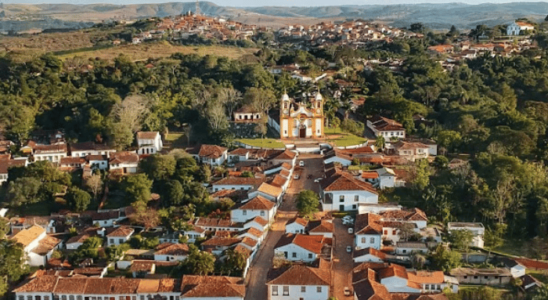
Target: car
point(350, 230)
point(301, 163)
point(346, 291)
point(349, 249)
point(347, 220)
point(296, 176)
point(318, 179)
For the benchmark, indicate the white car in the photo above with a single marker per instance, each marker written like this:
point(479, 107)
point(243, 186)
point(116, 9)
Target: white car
point(296, 177)
point(318, 179)
point(349, 249)
point(301, 163)
point(346, 291)
point(350, 230)
point(347, 220)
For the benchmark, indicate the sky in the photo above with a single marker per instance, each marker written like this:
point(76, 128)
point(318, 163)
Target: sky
point(248, 3)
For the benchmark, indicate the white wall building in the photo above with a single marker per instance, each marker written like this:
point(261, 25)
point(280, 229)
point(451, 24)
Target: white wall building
point(119, 236)
point(149, 142)
point(301, 282)
point(340, 191)
point(476, 228)
point(256, 207)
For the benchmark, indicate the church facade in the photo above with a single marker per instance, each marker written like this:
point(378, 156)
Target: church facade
point(297, 121)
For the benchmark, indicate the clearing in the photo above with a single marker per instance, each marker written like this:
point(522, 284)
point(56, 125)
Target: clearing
point(263, 143)
point(342, 139)
point(158, 50)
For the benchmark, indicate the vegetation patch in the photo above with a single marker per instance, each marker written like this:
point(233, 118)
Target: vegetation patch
point(343, 139)
point(263, 143)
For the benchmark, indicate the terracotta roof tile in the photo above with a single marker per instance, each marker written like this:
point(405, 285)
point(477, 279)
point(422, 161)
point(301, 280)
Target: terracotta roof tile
point(287, 154)
point(212, 286)
point(312, 243)
point(217, 241)
point(260, 220)
point(343, 181)
point(147, 135)
point(121, 231)
point(239, 181)
point(44, 283)
point(70, 286)
point(211, 151)
point(393, 270)
point(320, 226)
point(141, 265)
point(27, 236)
point(369, 251)
point(299, 274)
point(270, 189)
point(257, 203)
point(174, 249)
point(368, 224)
point(405, 215)
point(426, 277)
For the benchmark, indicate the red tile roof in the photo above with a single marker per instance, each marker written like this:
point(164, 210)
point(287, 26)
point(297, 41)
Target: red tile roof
point(173, 249)
point(212, 286)
point(393, 271)
point(121, 231)
point(312, 243)
point(239, 181)
point(257, 203)
point(369, 251)
point(368, 224)
point(343, 181)
point(147, 135)
point(426, 277)
point(322, 226)
point(414, 214)
point(300, 275)
point(261, 221)
point(211, 151)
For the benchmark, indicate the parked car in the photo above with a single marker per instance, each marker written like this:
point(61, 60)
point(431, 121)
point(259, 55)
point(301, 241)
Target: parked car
point(347, 220)
point(349, 249)
point(301, 163)
point(350, 230)
point(318, 179)
point(296, 176)
point(346, 291)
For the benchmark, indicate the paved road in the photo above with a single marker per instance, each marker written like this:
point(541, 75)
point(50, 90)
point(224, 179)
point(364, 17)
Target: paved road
point(256, 287)
point(343, 263)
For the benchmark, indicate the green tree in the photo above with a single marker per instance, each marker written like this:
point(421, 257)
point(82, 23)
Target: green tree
point(199, 262)
point(461, 240)
point(449, 139)
point(136, 188)
point(78, 199)
point(173, 193)
point(23, 191)
point(421, 174)
point(248, 174)
point(307, 202)
point(14, 263)
point(445, 259)
point(235, 262)
point(158, 166)
point(418, 28)
point(380, 142)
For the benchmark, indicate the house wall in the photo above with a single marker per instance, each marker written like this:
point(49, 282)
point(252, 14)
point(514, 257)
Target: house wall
point(159, 257)
point(295, 292)
point(52, 157)
point(293, 252)
point(255, 225)
point(367, 258)
point(73, 246)
point(387, 182)
point(83, 153)
point(101, 164)
point(349, 201)
point(117, 240)
point(130, 168)
point(395, 284)
point(336, 159)
point(368, 241)
point(238, 215)
point(484, 280)
point(324, 234)
point(409, 251)
point(294, 228)
point(243, 187)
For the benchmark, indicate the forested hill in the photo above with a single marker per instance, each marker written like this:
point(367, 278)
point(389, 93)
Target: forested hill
point(435, 16)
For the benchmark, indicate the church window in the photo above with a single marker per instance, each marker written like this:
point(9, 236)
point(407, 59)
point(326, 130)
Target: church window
point(318, 105)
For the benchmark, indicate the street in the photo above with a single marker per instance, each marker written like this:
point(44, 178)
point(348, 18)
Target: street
point(343, 262)
point(256, 286)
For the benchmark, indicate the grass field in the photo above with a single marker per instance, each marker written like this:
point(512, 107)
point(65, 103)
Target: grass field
point(263, 143)
point(159, 50)
point(343, 139)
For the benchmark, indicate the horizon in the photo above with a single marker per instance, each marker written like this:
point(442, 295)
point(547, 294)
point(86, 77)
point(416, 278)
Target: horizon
point(274, 3)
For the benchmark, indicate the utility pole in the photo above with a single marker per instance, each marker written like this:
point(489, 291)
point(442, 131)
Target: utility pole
point(197, 10)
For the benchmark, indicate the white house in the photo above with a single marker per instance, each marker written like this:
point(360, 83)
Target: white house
point(368, 255)
point(107, 218)
point(476, 228)
point(171, 252)
point(297, 225)
point(52, 153)
point(300, 282)
point(89, 148)
point(269, 191)
point(191, 287)
point(340, 191)
point(119, 236)
point(299, 247)
point(386, 128)
point(124, 162)
point(368, 231)
point(5, 164)
point(409, 248)
point(209, 154)
point(257, 207)
point(237, 183)
point(257, 223)
point(517, 269)
point(76, 241)
point(149, 142)
point(409, 151)
point(382, 178)
point(194, 233)
point(321, 227)
point(37, 244)
point(97, 161)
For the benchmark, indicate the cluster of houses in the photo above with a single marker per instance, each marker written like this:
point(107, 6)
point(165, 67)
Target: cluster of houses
point(350, 33)
point(185, 26)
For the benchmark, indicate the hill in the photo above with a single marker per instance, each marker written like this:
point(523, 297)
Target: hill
point(21, 17)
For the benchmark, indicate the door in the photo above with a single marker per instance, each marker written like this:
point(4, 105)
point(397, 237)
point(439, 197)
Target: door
point(341, 207)
point(302, 132)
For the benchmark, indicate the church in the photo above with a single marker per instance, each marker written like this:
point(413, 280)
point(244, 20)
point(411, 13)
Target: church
point(300, 120)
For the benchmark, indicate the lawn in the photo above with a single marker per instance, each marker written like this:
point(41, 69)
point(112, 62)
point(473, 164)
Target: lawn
point(263, 143)
point(541, 275)
point(512, 247)
point(176, 140)
point(158, 50)
point(342, 139)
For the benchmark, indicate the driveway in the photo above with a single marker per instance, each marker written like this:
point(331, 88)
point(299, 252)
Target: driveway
point(342, 261)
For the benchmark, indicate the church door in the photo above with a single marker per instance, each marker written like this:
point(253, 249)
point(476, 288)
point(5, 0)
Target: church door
point(302, 132)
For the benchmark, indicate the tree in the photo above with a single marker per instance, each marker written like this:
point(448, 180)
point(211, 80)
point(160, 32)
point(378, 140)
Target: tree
point(131, 111)
point(78, 199)
point(445, 259)
point(307, 202)
point(261, 100)
point(449, 139)
point(143, 215)
point(461, 240)
point(248, 174)
point(380, 142)
point(173, 193)
point(14, 263)
point(199, 262)
point(137, 188)
point(441, 162)
point(453, 32)
point(417, 27)
point(421, 174)
point(235, 261)
point(95, 184)
point(158, 167)
point(230, 98)
point(418, 260)
point(23, 191)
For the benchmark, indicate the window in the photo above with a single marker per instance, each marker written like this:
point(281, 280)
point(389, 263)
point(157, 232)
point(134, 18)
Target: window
point(319, 289)
point(309, 255)
point(404, 251)
point(38, 298)
point(142, 297)
point(294, 255)
point(121, 241)
point(274, 290)
point(46, 297)
point(394, 232)
point(64, 297)
point(341, 198)
point(496, 277)
point(21, 298)
point(363, 240)
point(286, 290)
point(80, 297)
point(485, 277)
point(385, 232)
point(372, 240)
point(112, 241)
point(244, 212)
point(475, 277)
point(354, 206)
point(262, 213)
point(71, 297)
point(303, 289)
point(427, 286)
point(465, 277)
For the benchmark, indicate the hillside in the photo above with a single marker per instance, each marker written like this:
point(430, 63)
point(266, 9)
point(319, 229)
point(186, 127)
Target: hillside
point(21, 17)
